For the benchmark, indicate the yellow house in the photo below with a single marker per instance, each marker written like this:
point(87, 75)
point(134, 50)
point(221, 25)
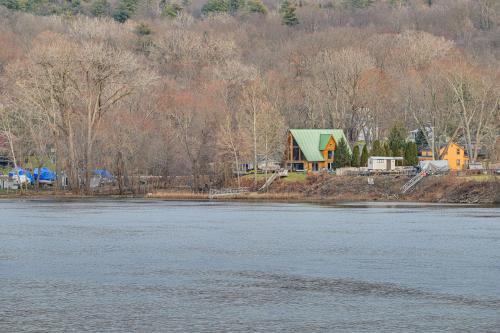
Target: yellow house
point(453, 153)
point(312, 149)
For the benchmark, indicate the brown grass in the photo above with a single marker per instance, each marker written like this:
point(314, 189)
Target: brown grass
point(171, 195)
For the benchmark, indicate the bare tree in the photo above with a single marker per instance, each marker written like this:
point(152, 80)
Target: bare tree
point(42, 85)
point(477, 103)
point(103, 76)
point(339, 75)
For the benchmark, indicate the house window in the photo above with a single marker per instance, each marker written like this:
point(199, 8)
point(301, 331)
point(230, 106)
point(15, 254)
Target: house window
point(458, 162)
point(330, 154)
point(458, 151)
point(296, 151)
point(298, 167)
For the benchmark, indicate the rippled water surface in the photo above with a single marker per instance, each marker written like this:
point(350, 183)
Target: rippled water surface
point(152, 266)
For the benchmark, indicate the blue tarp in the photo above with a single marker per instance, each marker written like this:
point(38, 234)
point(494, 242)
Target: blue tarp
point(22, 172)
point(46, 174)
point(103, 173)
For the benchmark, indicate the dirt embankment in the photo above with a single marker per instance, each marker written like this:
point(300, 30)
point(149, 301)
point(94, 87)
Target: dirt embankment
point(443, 189)
point(450, 189)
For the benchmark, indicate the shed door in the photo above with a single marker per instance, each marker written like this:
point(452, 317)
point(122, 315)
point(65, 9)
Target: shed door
point(388, 164)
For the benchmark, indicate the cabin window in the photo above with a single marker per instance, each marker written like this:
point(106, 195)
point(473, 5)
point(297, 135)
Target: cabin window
point(298, 167)
point(330, 154)
point(297, 155)
point(315, 166)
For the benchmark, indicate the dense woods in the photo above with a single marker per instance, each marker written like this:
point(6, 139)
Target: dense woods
point(194, 88)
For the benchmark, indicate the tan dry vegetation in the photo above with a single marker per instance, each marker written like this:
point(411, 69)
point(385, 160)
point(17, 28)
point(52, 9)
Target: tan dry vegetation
point(196, 95)
point(445, 189)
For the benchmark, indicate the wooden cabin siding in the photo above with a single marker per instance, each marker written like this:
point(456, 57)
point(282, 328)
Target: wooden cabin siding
point(309, 165)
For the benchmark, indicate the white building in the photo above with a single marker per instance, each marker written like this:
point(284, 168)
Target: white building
point(382, 163)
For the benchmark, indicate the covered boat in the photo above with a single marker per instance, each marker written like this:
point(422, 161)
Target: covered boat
point(45, 176)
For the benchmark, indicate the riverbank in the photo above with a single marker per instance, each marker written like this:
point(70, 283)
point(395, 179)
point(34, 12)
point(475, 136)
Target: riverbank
point(327, 188)
point(443, 189)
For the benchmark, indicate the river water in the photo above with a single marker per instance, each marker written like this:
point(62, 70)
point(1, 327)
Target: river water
point(154, 266)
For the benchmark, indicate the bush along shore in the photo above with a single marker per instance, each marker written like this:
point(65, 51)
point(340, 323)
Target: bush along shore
point(320, 188)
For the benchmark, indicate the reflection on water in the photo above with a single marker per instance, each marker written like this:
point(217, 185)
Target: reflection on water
point(152, 266)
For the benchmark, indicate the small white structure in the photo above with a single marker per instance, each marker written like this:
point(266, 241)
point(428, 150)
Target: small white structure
point(7, 183)
point(382, 163)
point(476, 166)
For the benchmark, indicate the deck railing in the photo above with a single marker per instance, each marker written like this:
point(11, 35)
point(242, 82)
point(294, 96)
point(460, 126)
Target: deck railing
point(225, 192)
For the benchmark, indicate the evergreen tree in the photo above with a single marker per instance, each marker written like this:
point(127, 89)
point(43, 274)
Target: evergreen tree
point(124, 10)
point(121, 15)
point(235, 5)
point(398, 3)
point(420, 139)
point(411, 154)
point(342, 155)
point(377, 149)
point(215, 6)
point(355, 157)
point(397, 139)
point(359, 3)
point(100, 8)
point(72, 7)
point(364, 156)
point(10, 4)
point(288, 16)
point(172, 10)
point(387, 150)
point(256, 6)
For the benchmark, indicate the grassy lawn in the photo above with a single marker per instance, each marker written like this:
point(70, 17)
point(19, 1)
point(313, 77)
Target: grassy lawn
point(295, 177)
point(292, 177)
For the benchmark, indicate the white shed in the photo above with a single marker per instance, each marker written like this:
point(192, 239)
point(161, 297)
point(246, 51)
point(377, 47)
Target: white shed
point(382, 163)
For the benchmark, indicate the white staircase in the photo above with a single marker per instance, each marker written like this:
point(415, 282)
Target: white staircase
point(413, 182)
point(274, 176)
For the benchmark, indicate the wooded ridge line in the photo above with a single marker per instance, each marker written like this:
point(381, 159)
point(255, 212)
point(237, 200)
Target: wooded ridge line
point(198, 88)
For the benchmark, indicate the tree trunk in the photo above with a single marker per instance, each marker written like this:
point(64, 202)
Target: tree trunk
point(59, 180)
point(74, 182)
point(237, 167)
point(255, 148)
point(120, 172)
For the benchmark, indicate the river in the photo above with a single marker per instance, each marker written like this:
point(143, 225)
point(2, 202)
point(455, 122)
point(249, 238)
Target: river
point(159, 266)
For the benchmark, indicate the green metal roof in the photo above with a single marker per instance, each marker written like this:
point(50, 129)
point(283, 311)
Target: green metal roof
point(312, 141)
point(323, 140)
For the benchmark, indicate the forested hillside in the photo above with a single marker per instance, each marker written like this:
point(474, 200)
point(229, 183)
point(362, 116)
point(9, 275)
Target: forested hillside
point(195, 87)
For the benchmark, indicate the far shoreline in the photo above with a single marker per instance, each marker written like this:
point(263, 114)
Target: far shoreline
point(252, 198)
point(322, 189)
